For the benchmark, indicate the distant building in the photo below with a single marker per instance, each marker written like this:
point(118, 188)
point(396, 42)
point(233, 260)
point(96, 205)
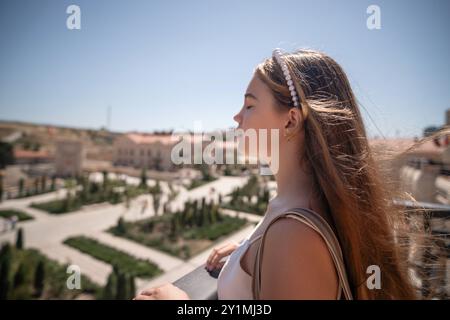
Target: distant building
point(423, 172)
point(153, 151)
point(69, 157)
point(143, 151)
point(22, 156)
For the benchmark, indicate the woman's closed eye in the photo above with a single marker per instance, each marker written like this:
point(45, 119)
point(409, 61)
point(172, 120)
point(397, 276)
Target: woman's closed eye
point(248, 107)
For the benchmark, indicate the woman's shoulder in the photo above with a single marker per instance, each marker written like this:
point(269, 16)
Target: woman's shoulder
point(296, 257)
point(289, 230)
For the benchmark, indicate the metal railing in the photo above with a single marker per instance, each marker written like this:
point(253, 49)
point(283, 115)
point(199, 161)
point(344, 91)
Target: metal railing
point(429, 255)
point(199, 284)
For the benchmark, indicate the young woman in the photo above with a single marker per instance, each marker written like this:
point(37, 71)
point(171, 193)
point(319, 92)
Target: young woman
point(326, 166)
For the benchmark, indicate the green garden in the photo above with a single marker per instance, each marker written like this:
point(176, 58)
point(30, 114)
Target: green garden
point(183, 233)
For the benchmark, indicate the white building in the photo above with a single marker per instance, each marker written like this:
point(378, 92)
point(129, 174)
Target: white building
point(143, 151)
point(153, 151)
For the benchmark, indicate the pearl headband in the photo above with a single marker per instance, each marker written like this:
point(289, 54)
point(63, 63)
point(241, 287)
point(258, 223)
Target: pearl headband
point(277, 54)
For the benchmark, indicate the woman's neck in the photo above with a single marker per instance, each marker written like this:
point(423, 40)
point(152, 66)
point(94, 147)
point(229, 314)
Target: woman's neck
point(294, 184)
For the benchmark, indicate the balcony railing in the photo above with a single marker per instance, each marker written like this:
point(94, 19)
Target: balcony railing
point(199, 284)
point(429, 258)
point(428, 265)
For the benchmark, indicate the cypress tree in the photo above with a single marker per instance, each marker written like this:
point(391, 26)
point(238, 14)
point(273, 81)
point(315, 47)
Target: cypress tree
point(21, 186)
point(5, 268)
point(110, 289)
point(53, 183)
point(122, 287)
point(19, 277)
point(121, 228)
point(19, 239)
point(131, 287)
point(39, 279)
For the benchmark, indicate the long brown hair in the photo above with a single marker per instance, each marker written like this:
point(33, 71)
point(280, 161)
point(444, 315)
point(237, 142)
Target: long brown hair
point(344, 170)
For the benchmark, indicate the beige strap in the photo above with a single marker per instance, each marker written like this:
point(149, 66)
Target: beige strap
point(316, 222)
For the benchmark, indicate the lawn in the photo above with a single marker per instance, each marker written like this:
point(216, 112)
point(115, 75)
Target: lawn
point(22, 272)
point(183, 236)
point(22, 216)
point(92, 194)
point(125, 262)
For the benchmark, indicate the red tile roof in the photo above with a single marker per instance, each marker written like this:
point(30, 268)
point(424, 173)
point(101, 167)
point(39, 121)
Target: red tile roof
point(22, 154)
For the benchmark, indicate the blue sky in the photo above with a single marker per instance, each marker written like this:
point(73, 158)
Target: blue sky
point(166, 64)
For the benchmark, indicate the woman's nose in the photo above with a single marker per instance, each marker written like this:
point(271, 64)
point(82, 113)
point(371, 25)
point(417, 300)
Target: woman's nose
point(238, 118)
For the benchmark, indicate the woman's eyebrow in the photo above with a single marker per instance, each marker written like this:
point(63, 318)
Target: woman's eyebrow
point(250, 95)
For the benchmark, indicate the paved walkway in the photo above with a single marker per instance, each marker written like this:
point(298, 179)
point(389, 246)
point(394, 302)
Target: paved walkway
point(89, 266)
point(47, 231)
point(165, 261)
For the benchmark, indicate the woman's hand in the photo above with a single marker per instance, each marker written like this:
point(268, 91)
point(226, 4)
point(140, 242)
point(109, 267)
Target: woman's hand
point(165, 292)
point(218, 253)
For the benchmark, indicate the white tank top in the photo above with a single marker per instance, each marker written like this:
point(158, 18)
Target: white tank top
point(233, 282)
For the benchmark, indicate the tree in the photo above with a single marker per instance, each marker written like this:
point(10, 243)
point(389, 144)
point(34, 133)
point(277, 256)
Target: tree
point(173, 229)
point(186, 251)
point(19, 239)
point(105, 179)
point(67, 203)
point(131, 287)
point(157, 161)
point(165, 208)
point(36, 186)
point(110, 289)
point(53, 184)
point(149, 226)
point(121, 227)
point(5, 269)
point(227, 171)
point(127, 199)
point(156, 203)
point(214, 213)
point(19, 277)
point(194, 213)
point(43, 183)
point(122, 287)
point(39, 279)
point(1, 188)
point(156, 189)
point(206, 175)
point(143, 183)
point(6, 154)
point(21, 186)
point(5, 252)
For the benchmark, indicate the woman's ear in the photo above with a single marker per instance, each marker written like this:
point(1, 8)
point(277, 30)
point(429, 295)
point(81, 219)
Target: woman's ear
point(294, 120)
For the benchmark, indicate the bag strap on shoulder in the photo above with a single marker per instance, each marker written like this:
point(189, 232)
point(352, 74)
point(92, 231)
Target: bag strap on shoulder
point(320, 225)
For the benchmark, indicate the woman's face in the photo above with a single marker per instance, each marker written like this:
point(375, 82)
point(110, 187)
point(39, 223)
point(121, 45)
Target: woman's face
point(259, 112)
